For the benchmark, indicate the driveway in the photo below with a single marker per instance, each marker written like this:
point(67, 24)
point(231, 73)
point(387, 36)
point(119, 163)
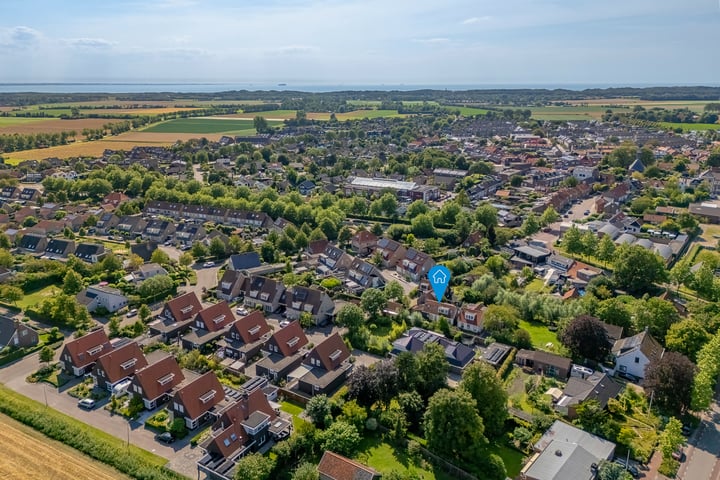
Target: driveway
point(13, 376)
point(390, 275)
point(207, 278)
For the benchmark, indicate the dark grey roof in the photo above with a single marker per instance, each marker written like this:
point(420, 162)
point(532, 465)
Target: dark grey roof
point(245, 261)
point(415, 339)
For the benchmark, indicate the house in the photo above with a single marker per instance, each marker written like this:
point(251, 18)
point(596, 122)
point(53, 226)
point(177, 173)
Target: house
point(115, 199)
point(32, 243)
point(306, 187)
point(144, 250)
point(458, 355)
point(246, 336)
point(189, 233)
point(231, 285)
point(414, 265)
point(195, 401)
point(155, 382)
point(131, 225)
point(336, 467)
point(363, 242)
point(283, 352)
point(14, 333)
point(241, 427)
point(263, 293)
point(106, 221)
point(634, 354)
point(471, 318)
point(362, 275)
point(560, 263)
point(391, 252)
point(97, 296)
point(567, 452)
point(597, 386)
point(434, 311)
point(244, 261)
point(176, 316)
point(544, 363)
point(90, 252)
point(148, 270)
point(300, 300)
point(326, 367)
point(209, 325)
point(30, 195)
point(496, 353)
point(334, 259)
point(78, 356)
point(118, 365)
point(158, 230)
point(527, 255)
point(59, 248)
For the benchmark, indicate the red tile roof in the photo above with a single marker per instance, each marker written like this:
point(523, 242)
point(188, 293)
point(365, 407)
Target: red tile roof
point(122, 362)
point(331, 352)
point(88, 348)
point(251, 327)
point(336, 467)
point(159, 378)
point(200, 395)
point(216, 316)
point(289, 339)
point(184, 307)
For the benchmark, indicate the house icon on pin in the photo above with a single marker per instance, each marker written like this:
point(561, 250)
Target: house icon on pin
point(439, 278)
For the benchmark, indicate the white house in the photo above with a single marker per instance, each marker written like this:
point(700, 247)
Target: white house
point(96, 296)
point(633, 354)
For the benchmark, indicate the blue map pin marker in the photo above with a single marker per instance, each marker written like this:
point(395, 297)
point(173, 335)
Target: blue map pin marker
point(439, 277)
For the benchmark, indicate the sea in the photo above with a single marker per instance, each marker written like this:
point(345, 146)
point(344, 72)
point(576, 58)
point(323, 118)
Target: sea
point(81, 87)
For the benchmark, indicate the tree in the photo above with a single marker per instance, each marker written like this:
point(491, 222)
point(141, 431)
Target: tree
point(199, 250)
point(373, 301)
point(385, 376)
point(656, 315)
point(572, 240)
point(341, 437)
point(351, 316)
point(671, 438)
point(72, 283)
point(12, 294)
point(318, 409)
point(708, 362)
point(361, 386)
point(501, 321)
point(160, 257)
point(590, 243)
point(480, 381)
point(452, 425)
point(487, 215)
point(550, 215)
point(254, 467)
point(432, 368)
point(636, 269)
point(354, 414)
point(585, 337)
point(688, 337)
point(155, 287)
point(667, 380)
point(394, 291)
point(408, 376)
point(217, 248)
point(497, 266)
point(612, 471)
point(531, 225)
point(47, 354)
point(422, 226)
point(144, 313)
point(6, 259)
point(186, 259)
point(606, 249)
point(615, 312)
point(260, 124)
point(413, 407)
point(416, 208)
point(306, 471)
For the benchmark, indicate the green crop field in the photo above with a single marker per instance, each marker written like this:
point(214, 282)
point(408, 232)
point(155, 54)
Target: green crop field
point(204, 125)
point(590, 112)
point(689, 127)
point(467, 111)
point(12, 121)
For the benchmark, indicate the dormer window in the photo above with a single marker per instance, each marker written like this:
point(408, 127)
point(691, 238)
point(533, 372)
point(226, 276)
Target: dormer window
point(95, 350)
point(470, 316)
point(293, 341)
point(335, 355)
point(208, 396)
point(264, 296)
point(186, 310)
point(254, 330)
point(166, 379)
point(218, 319)
point(129, 364)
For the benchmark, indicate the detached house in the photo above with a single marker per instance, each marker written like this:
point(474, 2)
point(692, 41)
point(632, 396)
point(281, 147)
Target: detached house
point(458, 355)
point(244, 261)
point(195, 401)
point(176, 316)
point(434, 311)
point(118, 365)
point(299, 300)
point(155, 382)
point(79, 355)
point(231, 285)
point(363, 242)
point(414, 265)
point(328, 367)
point(209, 325)
point(471, 318)
point(598, 386)
point(634, 354)
point(283, 352)
point(246, 336)
point(96, 296)
point(14, 333)
point(390, 251)
point(544, 363)
point(336, 467)
point(264, 293)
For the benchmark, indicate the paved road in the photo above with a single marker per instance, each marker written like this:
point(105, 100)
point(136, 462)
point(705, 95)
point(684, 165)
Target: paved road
point(13, 376)
point(703, 449)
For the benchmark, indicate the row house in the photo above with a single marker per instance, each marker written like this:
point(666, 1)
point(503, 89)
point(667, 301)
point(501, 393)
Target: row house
point(189, 233)
point(176, 316)
point(391, 252)
point(365, 275)
point(106, 222)
point(334, 259)
point(158, 230)
point(131, 225)
point(283, 352)
point(204, 214)
point(300, 300)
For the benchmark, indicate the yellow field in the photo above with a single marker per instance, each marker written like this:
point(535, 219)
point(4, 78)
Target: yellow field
point(28, 454)
point(138, 112)
point(52, 125)
point(79, 149)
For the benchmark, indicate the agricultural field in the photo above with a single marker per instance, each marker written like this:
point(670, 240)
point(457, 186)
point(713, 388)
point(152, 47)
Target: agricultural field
point(269, 115)
point(24, 446)
point(468, 111)
point(564, 113)
point(15, 121)
point(356, 115)
point(689, 127)
point(694, 105)
point(50, 125)
point(202, 125)
point(82, 149)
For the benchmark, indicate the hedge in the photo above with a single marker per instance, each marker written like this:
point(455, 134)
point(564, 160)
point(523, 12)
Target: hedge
point(507, 364)
point(95, 443)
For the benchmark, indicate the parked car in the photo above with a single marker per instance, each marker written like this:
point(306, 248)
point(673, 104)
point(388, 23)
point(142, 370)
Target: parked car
point(132, 313)
point(628, 376)
point(678, 455)
point(241, 311)
point(686, 430)
point(87, 403)
point(208, 264)
point(165, 437)
point(631, 469)
point(586, 212)
point(284, 323)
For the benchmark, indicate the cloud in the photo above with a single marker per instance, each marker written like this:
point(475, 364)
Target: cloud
point(472, 20)
point(19, 37)
point(432, 41)
point(98, 43)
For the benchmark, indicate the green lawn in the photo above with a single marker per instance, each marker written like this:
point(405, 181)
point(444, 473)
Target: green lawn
point(34, 298)
point(294, 409)
point(584, 112)
point(541, 336)
point(204, 125)
point(468, 111)
point(385, 458)
point(512, 458)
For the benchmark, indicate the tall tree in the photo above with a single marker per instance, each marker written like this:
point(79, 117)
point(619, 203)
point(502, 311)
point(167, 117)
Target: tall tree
point(432, 368)
point(667, 380)
point(636, 269)
point(585, 337)
point(373, 301)
point(72, 283)
point(254, 467)
point(687, 337)
point(708, 370)
point(453, 427)
point(606, 249)
point(480, 381)
point(655, 314)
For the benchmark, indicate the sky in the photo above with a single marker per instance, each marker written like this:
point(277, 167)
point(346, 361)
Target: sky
point(362, 42)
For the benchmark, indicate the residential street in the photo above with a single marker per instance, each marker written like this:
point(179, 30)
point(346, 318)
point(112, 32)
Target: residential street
point(703, 449)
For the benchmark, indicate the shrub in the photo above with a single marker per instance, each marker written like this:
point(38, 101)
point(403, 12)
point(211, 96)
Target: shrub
point(178, 428)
